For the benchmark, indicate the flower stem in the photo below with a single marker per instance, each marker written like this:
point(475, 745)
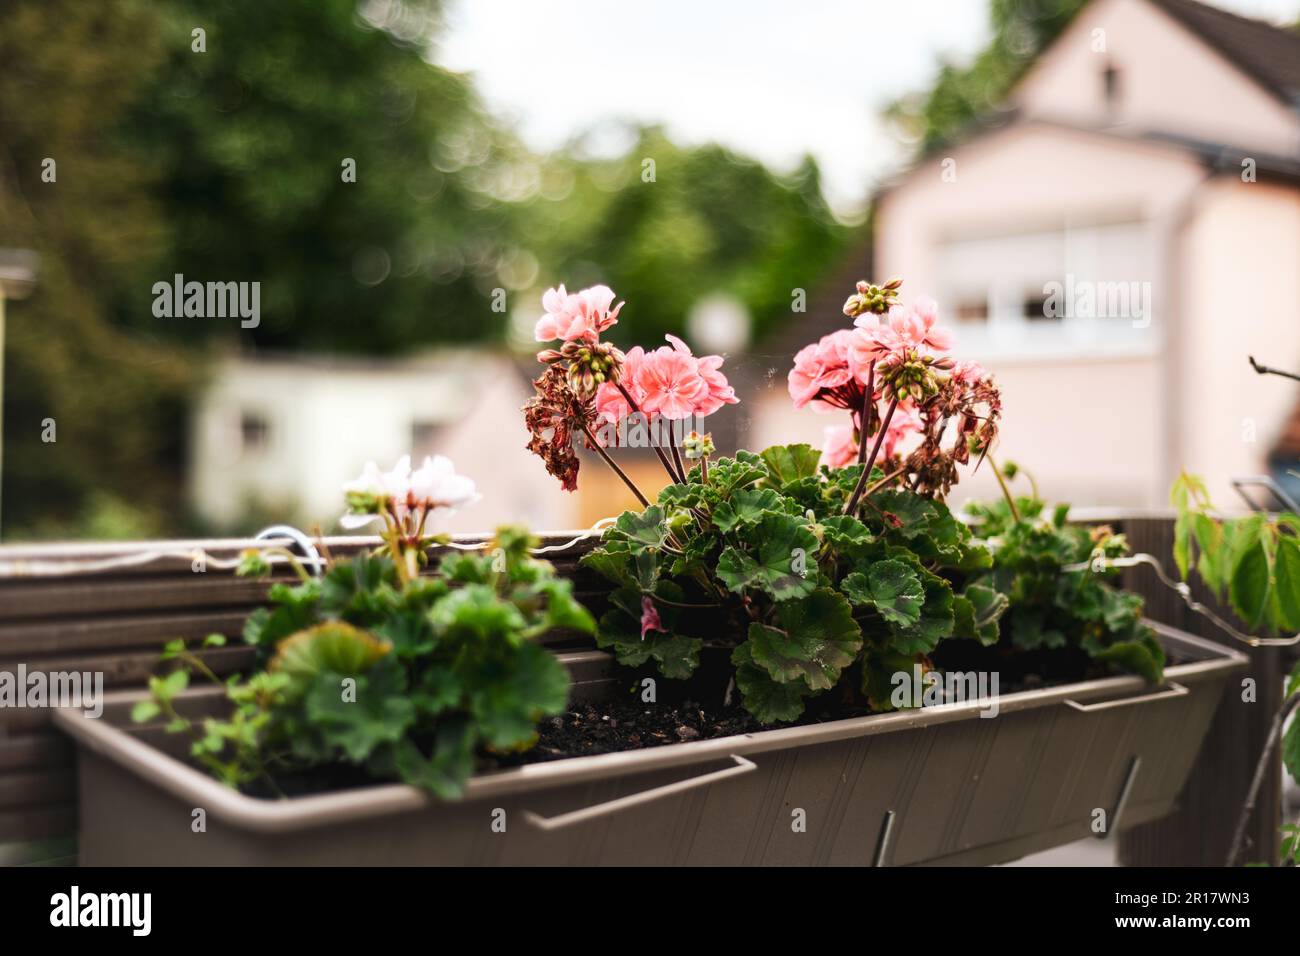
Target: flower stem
point(868, 406)
point(645, 503)
point(633, 408)
point(852, 506)
point(677, 460)
point(1002, 483)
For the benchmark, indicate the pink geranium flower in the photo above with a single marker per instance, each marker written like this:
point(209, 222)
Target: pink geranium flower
point(824, 365)
point(576, 315)
point(840, 448)
point(709, 368)
point(650, 617)
point(911, 330)
point(918, 327)
point(671, 383)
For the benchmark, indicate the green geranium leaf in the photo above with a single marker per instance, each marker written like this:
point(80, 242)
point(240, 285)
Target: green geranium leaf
point(768, 700)
point(1143, 656)
point(1120, 609)
point(467, 568)
point(508, 694)
point(334, 647)
point(896, 592)
point(784, 562)
point(613, 565)
point(293, 609)
point(444, 772)
point(977, 612)
point(914, 512)
point(745, 507)
point(362, 591)
point(437, 691)
point(475, 610)
point(677, 655)
point(357, 718)
point(728, 474)
point(409, 632)
point(680, 496)
point(787, 463)
point(936, 621)
point(878, 670)
point(1029, 633)
point(812, 639)
point(562, 611)
point(844, 532)
point(641, 530)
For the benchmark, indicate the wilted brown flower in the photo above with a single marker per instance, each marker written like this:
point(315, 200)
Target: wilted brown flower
point(553, 416)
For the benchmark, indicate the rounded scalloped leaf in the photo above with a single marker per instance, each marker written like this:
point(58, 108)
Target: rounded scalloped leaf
point(333, 646)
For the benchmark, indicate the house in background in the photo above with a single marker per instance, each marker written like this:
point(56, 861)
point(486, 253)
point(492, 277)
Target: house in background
point(1113, 250)
point(278, 437)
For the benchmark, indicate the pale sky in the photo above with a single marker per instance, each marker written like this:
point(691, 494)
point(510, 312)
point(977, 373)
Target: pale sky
point(770, 78)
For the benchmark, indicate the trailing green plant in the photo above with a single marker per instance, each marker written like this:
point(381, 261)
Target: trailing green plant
point(1251, 564)
point(1059, 593)
point(403, 675)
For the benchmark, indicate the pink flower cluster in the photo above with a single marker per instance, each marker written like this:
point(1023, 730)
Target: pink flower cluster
point(844, 357)
point(840, 447)
point(574, 316)
point(821, 369)
point(834, 372)
point(906, 329)
point(670, 381)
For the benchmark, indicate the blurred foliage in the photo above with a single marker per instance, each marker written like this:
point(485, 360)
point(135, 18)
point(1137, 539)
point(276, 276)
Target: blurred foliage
point(68, 74)
point(226, 165)
point(960, 95)
point(697, 222)
point(251, 138)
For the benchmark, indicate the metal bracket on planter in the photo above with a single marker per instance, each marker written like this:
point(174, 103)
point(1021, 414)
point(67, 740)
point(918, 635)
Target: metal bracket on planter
point(741, 766)
point(312, 556)
point(1174, 689)
point(1270, 485)
point(884, 842)
point(1125, 790)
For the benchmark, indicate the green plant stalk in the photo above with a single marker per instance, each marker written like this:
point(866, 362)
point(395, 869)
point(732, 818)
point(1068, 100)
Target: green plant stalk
point(1006, 492)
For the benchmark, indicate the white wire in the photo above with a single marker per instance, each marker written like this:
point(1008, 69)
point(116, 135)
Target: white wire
point(1185, 592)
point(590, 532)
point(50, 569)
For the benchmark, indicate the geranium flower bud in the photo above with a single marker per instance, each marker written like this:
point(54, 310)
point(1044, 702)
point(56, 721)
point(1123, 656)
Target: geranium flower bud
point(696, 445)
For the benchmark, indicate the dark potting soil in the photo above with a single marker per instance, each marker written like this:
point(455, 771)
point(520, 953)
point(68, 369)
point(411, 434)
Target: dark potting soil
point(593, 727)
point(599, 727)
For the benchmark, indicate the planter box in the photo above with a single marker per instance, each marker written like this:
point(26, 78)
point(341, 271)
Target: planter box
point(937, 785)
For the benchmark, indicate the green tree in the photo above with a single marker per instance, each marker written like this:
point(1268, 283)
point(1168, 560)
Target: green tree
point(699, 221)
point(960, 95)
point(70, 71)
point(256, 139)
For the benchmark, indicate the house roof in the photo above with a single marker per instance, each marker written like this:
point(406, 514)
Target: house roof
point(1267, 53)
